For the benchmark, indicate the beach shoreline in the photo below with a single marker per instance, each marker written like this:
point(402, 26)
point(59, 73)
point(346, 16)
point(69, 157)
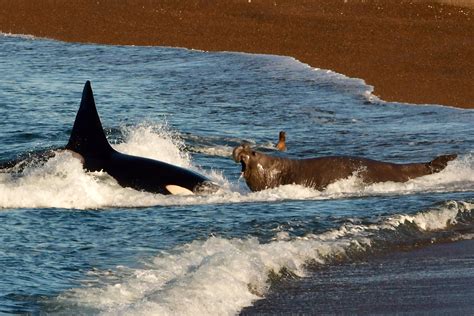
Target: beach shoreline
point(433, 279)
point(410, 51)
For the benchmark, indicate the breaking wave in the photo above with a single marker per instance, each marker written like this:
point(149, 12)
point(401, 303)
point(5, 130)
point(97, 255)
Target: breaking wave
point(220, 276)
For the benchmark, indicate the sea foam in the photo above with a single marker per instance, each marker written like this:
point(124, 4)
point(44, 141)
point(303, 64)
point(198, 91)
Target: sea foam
point(220, 276)
point(62, 182)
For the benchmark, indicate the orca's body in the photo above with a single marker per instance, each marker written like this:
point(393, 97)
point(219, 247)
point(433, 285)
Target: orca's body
point(88, 140)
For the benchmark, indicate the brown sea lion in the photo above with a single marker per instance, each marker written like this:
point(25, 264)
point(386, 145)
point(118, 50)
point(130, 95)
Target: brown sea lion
point(262, 171)
point(281, 145)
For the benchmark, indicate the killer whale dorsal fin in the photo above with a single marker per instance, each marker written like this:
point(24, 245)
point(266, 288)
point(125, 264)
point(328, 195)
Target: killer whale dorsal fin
point(87, 136)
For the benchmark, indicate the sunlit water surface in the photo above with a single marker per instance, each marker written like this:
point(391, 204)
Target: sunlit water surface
point(74, 242)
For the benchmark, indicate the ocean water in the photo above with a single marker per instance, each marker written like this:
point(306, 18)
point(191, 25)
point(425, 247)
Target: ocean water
point(73, 242)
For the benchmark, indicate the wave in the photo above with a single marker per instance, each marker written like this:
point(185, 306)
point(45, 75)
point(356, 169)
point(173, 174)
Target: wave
point(323, 77)
point(219, 276)
point(24, 36)
point(62, 183)
point(343, 83)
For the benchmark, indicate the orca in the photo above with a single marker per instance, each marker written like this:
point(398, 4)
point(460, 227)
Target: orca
point(89, 141)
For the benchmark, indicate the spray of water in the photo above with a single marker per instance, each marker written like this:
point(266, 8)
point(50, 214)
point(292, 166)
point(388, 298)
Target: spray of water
point(62, 183)
point(220, 276)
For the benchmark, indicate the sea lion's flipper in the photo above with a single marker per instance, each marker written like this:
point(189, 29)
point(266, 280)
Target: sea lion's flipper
point(87, 136)
point(439, 163)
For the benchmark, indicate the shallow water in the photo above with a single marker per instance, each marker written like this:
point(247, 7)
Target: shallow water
point(73, 242)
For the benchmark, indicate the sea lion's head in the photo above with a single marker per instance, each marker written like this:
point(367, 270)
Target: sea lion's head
point(281, 145)
point(243, 154)
point(259, 170)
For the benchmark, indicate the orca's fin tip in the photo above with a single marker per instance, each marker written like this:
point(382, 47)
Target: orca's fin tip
point(87, 136)
point(87, 87)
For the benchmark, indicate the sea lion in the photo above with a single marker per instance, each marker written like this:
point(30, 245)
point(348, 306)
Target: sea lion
point(263, 171)
point(281, 145)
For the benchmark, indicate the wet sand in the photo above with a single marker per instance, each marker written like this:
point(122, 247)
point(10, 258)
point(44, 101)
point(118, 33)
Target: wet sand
point(411, 51)
point(434, 280)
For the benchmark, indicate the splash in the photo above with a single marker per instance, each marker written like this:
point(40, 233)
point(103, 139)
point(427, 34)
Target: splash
point(155, 142)
point(62, 182)
point(220, 276)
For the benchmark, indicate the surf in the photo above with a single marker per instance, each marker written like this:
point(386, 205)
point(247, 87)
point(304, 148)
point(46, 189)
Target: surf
point(62, 182)
point(220, 276)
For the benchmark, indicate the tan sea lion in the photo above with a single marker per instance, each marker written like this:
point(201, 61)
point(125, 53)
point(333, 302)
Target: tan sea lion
point(281, 145)
point(263, 171)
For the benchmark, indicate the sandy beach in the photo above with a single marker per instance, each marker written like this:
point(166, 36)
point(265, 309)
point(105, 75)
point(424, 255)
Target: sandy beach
point(77, 242)
point(410, 51)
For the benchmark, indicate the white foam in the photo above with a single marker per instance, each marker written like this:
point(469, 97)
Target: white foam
point(62, 183)
point(220, 276)
point(155, 142)
point(457, 176)
point(352, 85)
point(24, 36)
point(221, 151)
